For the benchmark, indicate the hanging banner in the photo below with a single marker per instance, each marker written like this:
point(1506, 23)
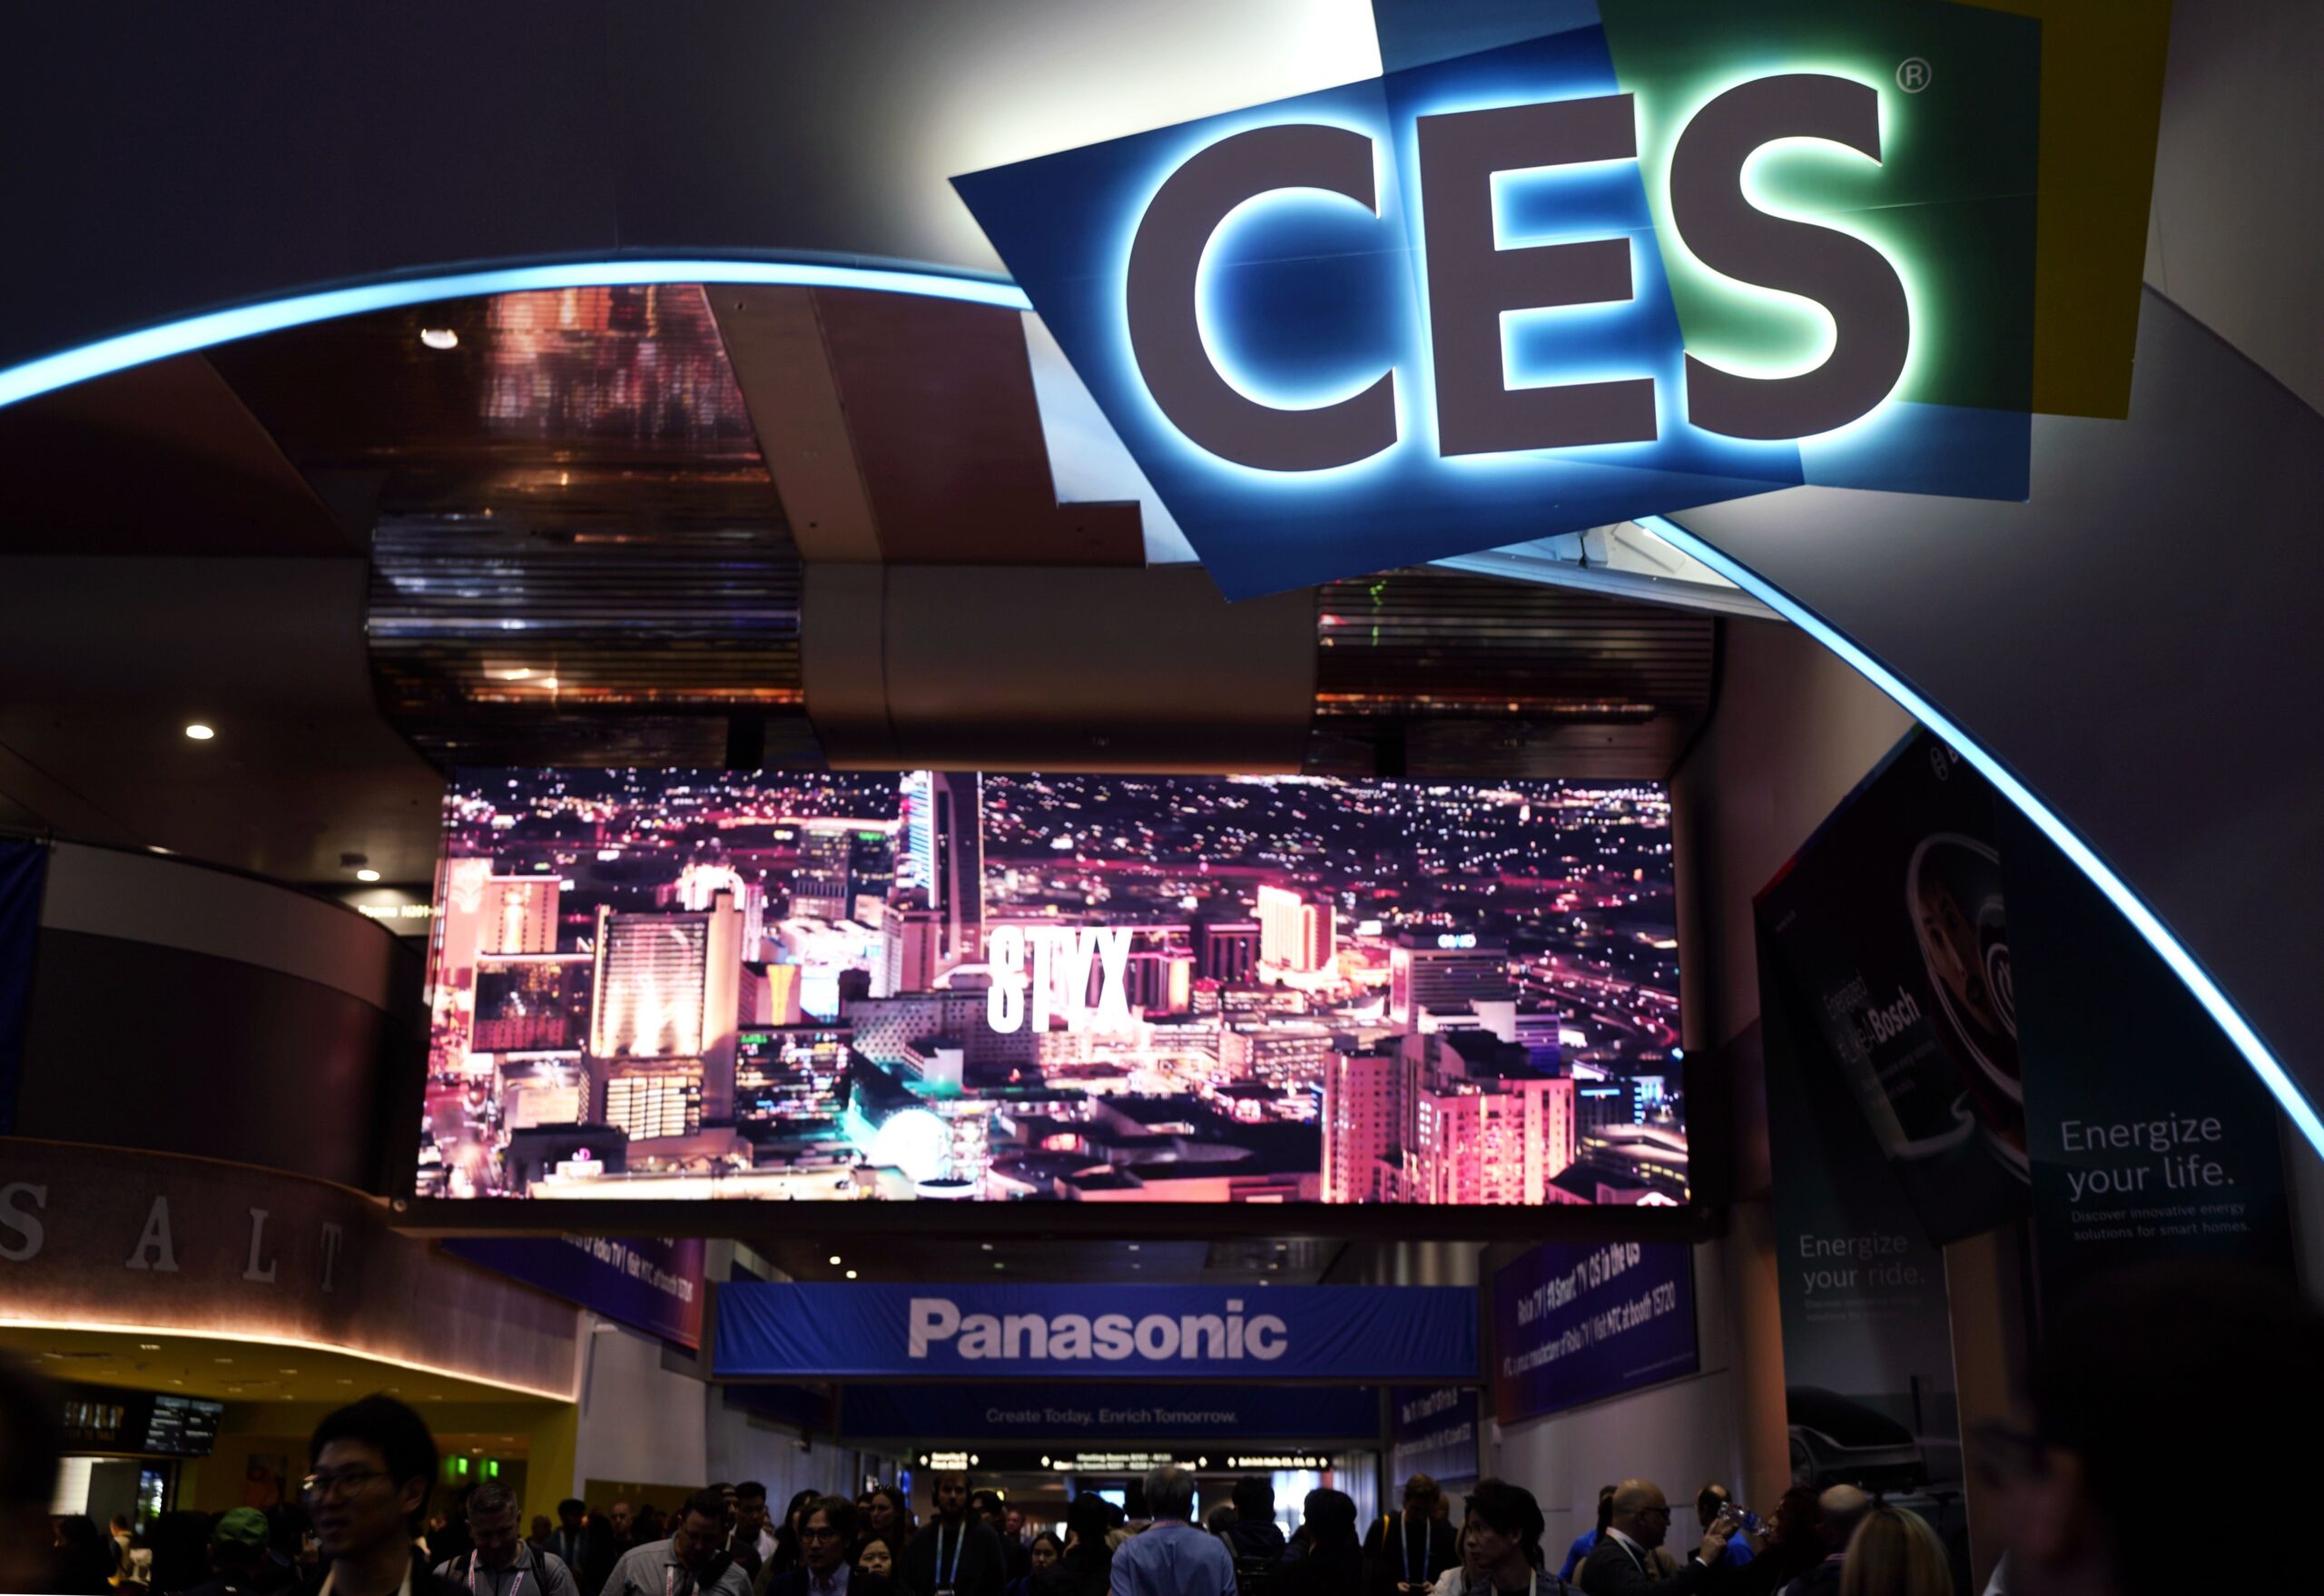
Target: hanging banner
point(1867, 1331)
point(1110, 1415)
point(654, 1285)
point(23, 871)
point(1080, 1333)
point(1576, 1322)
point(1889, 934)
point(2011, 1040)
point(2150, 1138)
point(1432, 1431)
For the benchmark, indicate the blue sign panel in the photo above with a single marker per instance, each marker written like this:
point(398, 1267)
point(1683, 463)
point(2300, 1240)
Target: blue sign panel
point(655, 1286)
point(1110, 1414)
point(1572, 1323)
point(1432, 1431)
point(1078, 1333)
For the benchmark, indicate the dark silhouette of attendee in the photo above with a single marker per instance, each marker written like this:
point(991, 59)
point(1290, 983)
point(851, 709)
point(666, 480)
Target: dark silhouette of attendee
point(32, 1439)
point(1587, 1542)
point(236, 1553)
point(1407, 1552)
point(786, 1534)
point(1794, 1544)
point(1334, 1563)
point(1255, 1537)
point(826, 1532)
point(85, 1560)
point(370, 1466)
point(956, 1550)
point(2158, 1394)
point(885, 1515)
point(1838, 1511)
point(1617, 1565)
point(1088, 1563)
point(1043, 1552)
point(988, 1506)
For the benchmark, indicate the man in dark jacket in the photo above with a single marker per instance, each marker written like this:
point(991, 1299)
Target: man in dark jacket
point(826, 1530)
point(1405, 1552)
point(955, 1551)
point(1617, 1565)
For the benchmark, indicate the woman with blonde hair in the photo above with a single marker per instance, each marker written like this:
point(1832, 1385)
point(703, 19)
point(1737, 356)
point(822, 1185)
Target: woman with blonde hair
point(1895, 1554)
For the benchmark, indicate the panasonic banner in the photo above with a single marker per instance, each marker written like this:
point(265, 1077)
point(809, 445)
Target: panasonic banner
point(1078, 1333)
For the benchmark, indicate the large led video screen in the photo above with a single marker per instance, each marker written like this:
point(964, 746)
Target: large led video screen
point(949, 986)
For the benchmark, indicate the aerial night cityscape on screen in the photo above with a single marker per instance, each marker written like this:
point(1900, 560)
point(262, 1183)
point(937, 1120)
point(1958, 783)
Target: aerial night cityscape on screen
point(948, 986)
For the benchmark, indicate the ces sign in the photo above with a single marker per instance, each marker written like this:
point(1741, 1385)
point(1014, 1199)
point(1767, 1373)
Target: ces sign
point(1472, 281)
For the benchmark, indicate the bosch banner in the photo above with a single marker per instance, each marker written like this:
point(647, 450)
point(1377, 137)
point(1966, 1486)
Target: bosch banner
point(1069, 1332)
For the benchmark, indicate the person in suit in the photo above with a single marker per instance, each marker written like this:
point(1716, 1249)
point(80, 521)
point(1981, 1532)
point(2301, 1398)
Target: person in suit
point(826, 1532)
point(1618, 1565)
point(1405, 1552)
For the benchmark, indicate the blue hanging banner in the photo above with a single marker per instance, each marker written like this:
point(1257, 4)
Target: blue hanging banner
point(1079, 1332)
point(1108, 1413)
point(1572, 1323)
point(1432, 1431)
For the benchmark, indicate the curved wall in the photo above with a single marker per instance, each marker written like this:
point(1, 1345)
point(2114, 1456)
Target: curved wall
point(180, 1009)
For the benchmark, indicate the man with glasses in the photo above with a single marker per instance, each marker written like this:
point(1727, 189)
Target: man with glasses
point(370, 1465)
point(826, 1530)
point(693, 1561)
point(1621, 1563)
point(501, 1564)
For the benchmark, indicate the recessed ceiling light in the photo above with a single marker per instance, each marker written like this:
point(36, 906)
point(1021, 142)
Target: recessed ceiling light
point(986, 1244)
point(177, 1382)
point(148, 1347)
point(834, 1260)
point(221, 1360)
point(367, 875)
point(440, 337)
point(851, 1274)
point(289, 1371)
point(199, 732)
point(1133, 1247)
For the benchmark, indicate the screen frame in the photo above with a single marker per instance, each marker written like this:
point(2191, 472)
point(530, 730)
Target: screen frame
point(1709, 1088)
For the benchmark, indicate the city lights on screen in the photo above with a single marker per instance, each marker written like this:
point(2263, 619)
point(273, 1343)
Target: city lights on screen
point(949, 986)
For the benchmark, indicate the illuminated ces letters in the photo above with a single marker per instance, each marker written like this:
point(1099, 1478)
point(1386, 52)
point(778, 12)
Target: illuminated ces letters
point(1473, 282)
point(1041, 972)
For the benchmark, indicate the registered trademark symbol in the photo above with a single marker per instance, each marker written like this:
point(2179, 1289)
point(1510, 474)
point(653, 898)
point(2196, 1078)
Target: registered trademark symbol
point(1912, 75)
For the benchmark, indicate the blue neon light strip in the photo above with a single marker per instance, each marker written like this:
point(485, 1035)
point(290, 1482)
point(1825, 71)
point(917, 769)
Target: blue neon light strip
point(201, 332)
point(2085, 858)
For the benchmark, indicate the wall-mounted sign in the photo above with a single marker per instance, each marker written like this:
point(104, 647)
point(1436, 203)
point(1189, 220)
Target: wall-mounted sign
point(1432, 1431)
point(1073, 1332)
point(1679, 255)
point(1572, 1323)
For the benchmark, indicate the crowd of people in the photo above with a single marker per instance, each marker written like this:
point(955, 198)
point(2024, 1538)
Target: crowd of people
point(2129, 1409)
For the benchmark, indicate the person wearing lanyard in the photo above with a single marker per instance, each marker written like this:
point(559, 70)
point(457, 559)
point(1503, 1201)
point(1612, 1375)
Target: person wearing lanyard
point(1405, 1552)
point(691, 1562)
point(369, 1467)
point(1617, 1566)
point(499, 1563)
point(956, 1553)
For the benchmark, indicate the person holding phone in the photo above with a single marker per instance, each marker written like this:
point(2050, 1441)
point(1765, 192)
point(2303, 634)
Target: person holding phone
point(1640, 1520)
point(1405, 1554)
